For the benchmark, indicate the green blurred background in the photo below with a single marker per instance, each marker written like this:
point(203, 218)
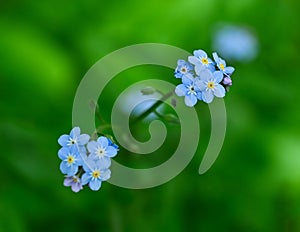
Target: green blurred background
point(45, 49)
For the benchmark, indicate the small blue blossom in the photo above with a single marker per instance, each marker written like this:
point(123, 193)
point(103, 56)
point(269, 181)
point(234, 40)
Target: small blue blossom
point(95, 172)
point(74, 182)
point(110, 143)
point(103, 149)
point(189, 90)
point(209, 85)
point(71, 159)
point(201, 61)
point(75, 139)
point(182, 68)
point(221, 64)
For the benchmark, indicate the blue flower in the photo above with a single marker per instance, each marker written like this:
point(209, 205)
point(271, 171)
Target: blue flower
point(201, 61)
point(71, 159)
point(75, 139)
point(182, 68)
point(110, 143)
point(189, 90)
point(208, 83)
point(221, 64)
point(95, 172)
point(103, 149)
point(74, 182)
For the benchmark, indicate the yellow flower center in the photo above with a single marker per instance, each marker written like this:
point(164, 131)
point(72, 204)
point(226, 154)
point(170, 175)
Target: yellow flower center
point(204, 61)
point(96, 174)
point(211, 85)
point(70, 159)
point(222, 67)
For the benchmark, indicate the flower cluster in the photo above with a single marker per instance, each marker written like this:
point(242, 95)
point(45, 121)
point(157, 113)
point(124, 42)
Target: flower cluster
point(202, 78)
point(85, 161)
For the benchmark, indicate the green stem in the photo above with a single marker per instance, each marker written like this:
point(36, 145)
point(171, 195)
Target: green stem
point(153, 107)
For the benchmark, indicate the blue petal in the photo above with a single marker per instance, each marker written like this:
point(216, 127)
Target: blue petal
point(111, 151)
point(64, 167)
point(219, 91)
point(198, 68)
point(83, 139)
point(72, 170)
point(105, 174)
point(200, 53)
point(92, 146)
point(194, 60)
point(103, 141)
point(181, 62)
point(201, 85)
point(180, 90)
point(199, 96)
point(76, 187)
point(63, 140)
point(216, 57)
point(187, 80)
point(190, 100)
point(75, 132)
point(218, 75)
point(206, 75)
point(229, 70)
point(68, 181)
point(207, 96)
point(63, 153)
point(95, 184)
point(85, 178)
point(103, 162)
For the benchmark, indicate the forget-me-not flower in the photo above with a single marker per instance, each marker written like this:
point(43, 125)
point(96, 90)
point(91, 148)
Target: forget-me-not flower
point(201, 61)
point(189, 90)
point(75, 139)
point(74, 182)
point(182, 68)
point(221, 64)
point(71, 159)
point(102, 149)
point(95, 172)
point(209, 85)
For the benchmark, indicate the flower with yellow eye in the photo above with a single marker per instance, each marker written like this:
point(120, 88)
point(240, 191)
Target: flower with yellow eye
point(209, 85)
point(75, 139)
point(71, 159)
point(74, 182)
point(95, 173)
point(221, 64)
point(201, 61)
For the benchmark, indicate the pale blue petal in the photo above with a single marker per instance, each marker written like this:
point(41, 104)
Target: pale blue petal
point(201, 85)
point(92, 146)
point(64, 167)
point(63, 140)
point(105, 174)
point(75, 132)
point(95, 184)
point(199, 96)
point(63, 153)
point(181, 62)
point(111, 151)
point(190, 100)
point(218, 75)
point(216, 57)
point(83, 139)
point(85, 178)
point(229, 70)
point(103, 141)
point(72, 170)
point(200, 53)
point(207, 96)
point(180, 90)
point(103, 162)
point(194, 60)
point(206, 75)
point(219, 91)
point(187, 80)
point(198, 68)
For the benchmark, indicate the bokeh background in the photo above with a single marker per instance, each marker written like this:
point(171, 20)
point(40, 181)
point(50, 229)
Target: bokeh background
point(46, 47)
